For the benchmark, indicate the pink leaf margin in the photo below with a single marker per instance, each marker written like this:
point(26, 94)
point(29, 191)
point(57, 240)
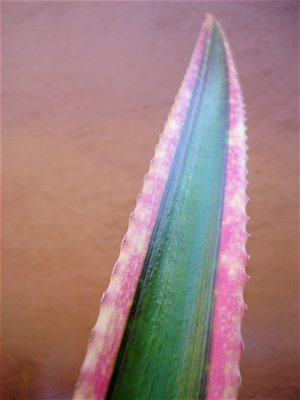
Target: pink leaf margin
point(116, 302)
point(224, 374)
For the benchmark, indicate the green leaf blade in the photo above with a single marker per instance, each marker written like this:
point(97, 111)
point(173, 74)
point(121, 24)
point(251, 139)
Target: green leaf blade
point(165, 349)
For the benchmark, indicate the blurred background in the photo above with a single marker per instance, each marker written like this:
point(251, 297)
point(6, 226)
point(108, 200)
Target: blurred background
point(86, 90)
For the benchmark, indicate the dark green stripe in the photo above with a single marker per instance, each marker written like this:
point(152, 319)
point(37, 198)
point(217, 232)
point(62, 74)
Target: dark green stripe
point(165, 350)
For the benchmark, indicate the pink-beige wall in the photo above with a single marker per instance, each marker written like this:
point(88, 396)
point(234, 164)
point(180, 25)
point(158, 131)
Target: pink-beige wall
point(86, 87)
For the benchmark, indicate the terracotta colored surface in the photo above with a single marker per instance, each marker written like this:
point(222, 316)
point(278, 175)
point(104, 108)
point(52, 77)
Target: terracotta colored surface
point(86, 89)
